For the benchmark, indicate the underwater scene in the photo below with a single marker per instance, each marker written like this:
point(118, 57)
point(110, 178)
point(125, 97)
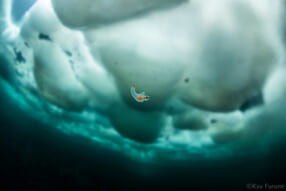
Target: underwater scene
point(143, 95)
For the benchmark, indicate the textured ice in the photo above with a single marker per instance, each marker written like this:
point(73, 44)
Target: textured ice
point(89, 13)
point(71, 64)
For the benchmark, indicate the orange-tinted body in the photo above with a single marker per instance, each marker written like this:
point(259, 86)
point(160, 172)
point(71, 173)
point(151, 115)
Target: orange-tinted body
point(139, 97)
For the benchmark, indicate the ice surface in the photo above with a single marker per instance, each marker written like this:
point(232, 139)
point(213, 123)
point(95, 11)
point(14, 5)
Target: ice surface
point(199, 61)
point(89, 13)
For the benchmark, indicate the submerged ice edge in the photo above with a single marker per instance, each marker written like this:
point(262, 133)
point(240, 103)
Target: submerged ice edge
point(93, 126)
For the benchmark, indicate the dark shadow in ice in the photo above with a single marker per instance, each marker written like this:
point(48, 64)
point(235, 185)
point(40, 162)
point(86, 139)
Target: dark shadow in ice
point(27, 44)
point(187, 80)
point(213, 121)
point(19, 56)
point(68, 53)
point(254, 101)
point(43, 36)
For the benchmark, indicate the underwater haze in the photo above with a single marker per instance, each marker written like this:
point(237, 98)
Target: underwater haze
point(143, 95)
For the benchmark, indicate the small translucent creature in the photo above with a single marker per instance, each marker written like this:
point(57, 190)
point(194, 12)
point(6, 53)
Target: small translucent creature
point(141, 97)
